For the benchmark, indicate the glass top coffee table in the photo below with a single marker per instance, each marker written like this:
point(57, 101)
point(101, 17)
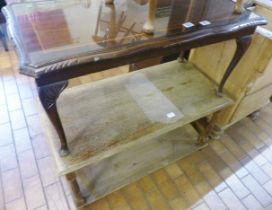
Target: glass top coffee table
point(60, 40)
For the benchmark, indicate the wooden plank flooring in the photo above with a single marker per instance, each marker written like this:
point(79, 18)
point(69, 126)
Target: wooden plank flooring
point(232, 173)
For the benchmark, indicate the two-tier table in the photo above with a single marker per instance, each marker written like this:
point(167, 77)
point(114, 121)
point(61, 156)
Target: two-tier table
point(108, 133)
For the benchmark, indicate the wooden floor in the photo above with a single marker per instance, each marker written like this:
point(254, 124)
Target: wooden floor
point(232, 173)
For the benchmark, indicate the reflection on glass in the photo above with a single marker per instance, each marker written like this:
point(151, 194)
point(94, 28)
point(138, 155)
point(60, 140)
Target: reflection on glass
point(113, 28)
point(54, 31)
point(41, 31)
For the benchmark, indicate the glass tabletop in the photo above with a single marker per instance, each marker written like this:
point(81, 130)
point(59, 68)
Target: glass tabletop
point(52, 31)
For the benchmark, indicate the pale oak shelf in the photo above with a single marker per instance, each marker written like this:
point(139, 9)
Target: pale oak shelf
point(113, 124)
point(127, 166)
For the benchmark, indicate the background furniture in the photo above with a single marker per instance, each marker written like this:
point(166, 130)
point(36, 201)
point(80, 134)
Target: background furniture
point(250, 85)
point(3, 33)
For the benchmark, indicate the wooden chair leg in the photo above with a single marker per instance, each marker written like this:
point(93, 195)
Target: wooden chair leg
point(109, 1)
point(239, 6)
point(149, 24)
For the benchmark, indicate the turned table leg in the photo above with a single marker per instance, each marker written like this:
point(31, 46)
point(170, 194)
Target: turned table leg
point(216, 132)
point(149, 24)
point(77, 196)
point(212, 131)
point(48, 95)
point(207, 129)
point(201, 127)
point(242, 46)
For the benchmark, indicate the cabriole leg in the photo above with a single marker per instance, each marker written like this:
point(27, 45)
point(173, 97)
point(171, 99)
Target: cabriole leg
point(242, 46)
point(48, 95)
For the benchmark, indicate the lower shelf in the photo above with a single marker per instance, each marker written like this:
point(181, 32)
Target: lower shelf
point(112, 173)
point(106, 117)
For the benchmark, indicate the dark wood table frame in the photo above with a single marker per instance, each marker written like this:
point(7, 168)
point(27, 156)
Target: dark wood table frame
point(48, 93)
point(53, 78)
